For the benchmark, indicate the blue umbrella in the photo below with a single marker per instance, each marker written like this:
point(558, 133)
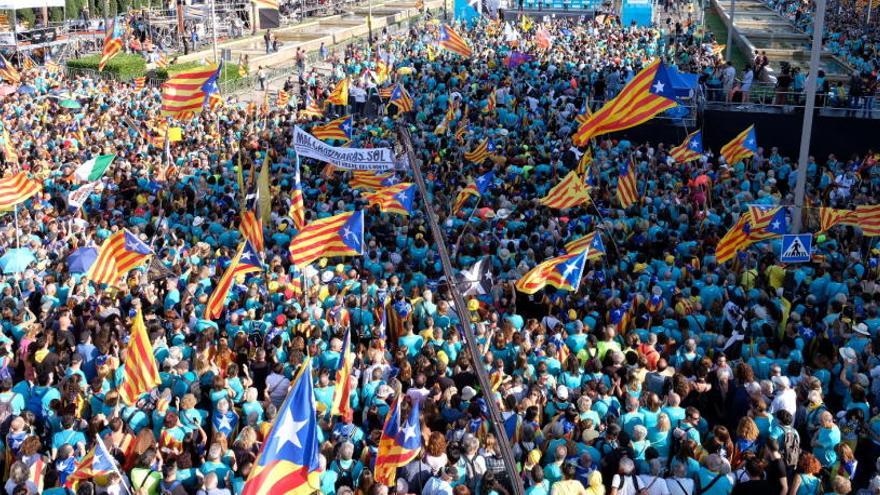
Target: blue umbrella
point(82, 259)
point(17, 260)
point(27, 90)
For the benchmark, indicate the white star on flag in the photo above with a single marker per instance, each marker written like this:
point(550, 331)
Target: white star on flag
point(658, 87)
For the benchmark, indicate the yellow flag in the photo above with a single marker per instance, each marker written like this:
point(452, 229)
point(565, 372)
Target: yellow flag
point(175, 134)
point(263, 188)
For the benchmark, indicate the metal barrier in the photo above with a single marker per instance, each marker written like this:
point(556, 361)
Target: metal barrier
point(766, 97)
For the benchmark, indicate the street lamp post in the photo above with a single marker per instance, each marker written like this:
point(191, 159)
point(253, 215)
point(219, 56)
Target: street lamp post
point(807, 127)
point(370, 23)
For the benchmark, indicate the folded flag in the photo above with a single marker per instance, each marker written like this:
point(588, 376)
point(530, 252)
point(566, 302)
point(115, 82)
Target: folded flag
point(401, 99)
point(339, 235)
point(735, 240)
point(17, 188)
point(289, 460)
point(342, 389)
point(112, 42)
point(477, 188)
point(767, 221)
point(563, 272)
point(282, 99)
point(93, 168)
point(453, 42)
point(394, 199)
point(140, 374)
point(647, 94)
point(570, 192)
point(297, 205)
point(479, 154)
point(251, 224)
point(398, 446)
point(583, 167)
point(339, 95)
point(592, 243)
point(187, 92)
point(744, 145)
point(335, 129)
point(8, 71)
point(690, 149)
point(119, 254)
point(627, 192)
point(245, 261)
point(9, 153)
point(97, 462)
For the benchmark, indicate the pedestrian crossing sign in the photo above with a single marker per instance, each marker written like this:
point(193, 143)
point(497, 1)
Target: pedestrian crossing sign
point(796, 248)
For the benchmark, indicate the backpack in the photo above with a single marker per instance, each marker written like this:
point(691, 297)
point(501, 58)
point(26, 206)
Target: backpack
point(791, 447)
point(472, 480)
point(345, 477)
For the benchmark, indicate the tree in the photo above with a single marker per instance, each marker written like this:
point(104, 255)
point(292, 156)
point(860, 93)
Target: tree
point(26, 16)
point(73, 8)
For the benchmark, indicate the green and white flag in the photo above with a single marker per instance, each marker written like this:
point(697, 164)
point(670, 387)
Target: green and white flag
point(94, 169)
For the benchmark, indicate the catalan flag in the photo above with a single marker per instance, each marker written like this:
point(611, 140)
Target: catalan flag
point(570, 192)
point(770, 219)
point(647, 94)
point(339, 95)
point(245, 261)
point(282, 99)
point(97, 462)
point(868, 217)
point(461, 130)
point(829, 217)
point(335, 129)
point(690, 149)
point(491, 103)
point(398, 447)
point(112, 42)
point(9, 153)
point(381, 73)
point(17, 188)
point(188, 91)
point(139, 83)
point(215, 101)
point(342, 390)
point(289, 461)
point(742, 146)
point(592, 243)
point(311, 110)
point(371, 181)
point(53, 67)
point(401, 99)
point(479, 154)
point(119, 254)
point(385, 93)
point(451, 41)
point(162, 61)
point(735, 240)
point(339, 235)
point(8, 71)
point(563, 272)
point(627, 191)
point(297, 206)
point(27, 63)
point(394, 199)
point(140, 373)
point(251, 224)
point(476, 188)
point(583, 166)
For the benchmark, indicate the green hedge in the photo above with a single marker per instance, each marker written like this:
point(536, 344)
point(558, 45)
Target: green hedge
point(123, 66)
point(229, 73)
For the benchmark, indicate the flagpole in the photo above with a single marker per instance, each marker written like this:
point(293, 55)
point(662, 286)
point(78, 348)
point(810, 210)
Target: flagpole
point(17, 239)
point(214, 30)
point(113, 463)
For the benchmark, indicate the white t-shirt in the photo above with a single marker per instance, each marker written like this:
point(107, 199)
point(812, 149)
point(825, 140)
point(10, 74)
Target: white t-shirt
point(653, 485)
point(680, 486)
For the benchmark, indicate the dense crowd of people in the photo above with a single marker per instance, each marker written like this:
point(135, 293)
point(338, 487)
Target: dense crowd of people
point(629, 385)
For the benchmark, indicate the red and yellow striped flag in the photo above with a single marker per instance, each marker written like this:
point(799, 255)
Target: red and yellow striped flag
point(563, 272)
point(162, 61)
point(744, 145)
point(297, 205)
point(735, 240)
point(112, 42)
point(8, 71)
point(282, 99)
point(593, 241)
point(9, 153)
point(491, 103)
point(139, 83)
point(140, 375)
point(478, 154)
point(868, 217)
point(185, 93)
point(627, 192)
point(245, 261)
point(339, 95)
point(342, 390)
point(453, 42)
point(27, 63)
point(17, 188)
point(119, 254)
point(829, 217)
point(570, 192)
point(339, 235)
point(583, 167)
point(647, 94)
